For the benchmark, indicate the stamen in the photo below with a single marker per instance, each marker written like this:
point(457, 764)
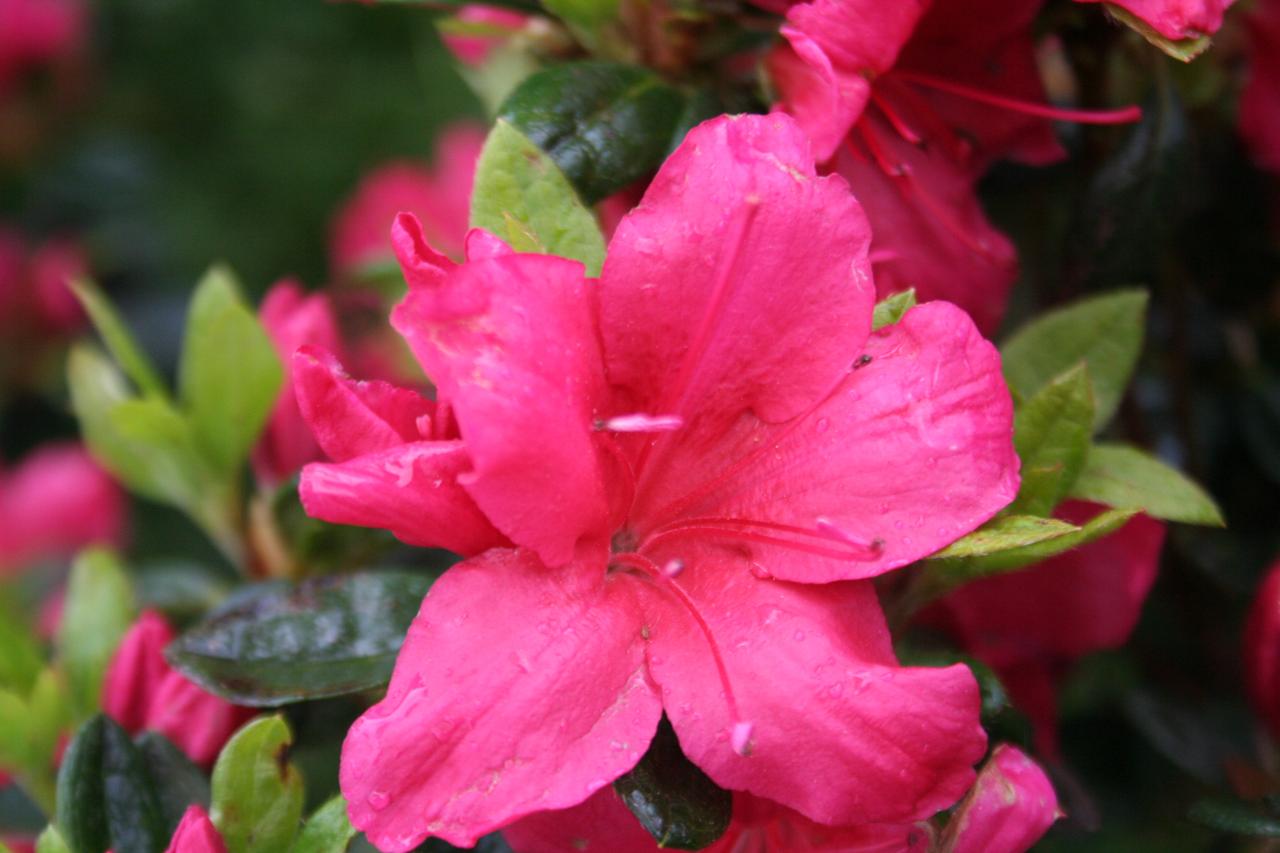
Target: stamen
point(1124, 115)
point(640, 422)
point(740, 730)
point(826, 526)
point(800, 539)
point(904, 130)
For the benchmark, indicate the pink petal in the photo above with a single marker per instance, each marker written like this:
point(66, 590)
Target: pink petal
point(52, 268)
point(913, 450)
point(351, 418)
point(199, 723)
point(1010, 807)
point(841, 733)
point(600, 824)
point(1177, 19)
point(1260, 97)
point(422, 265)
point(137, 667)
point(736, 242)
point(1262, 650)
point(196, 834)
point(518, 689)
point(410, 489)
point(474, 48)
point(511, 342)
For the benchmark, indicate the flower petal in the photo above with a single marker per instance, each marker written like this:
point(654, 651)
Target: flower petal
point(518, 689)
point(1177, 19)
point(196, 834)
point(841, 733)
point(737, 241)
point(911, 452)
point(600, 824)
point(511, 343)
point(410, 489)
point(1010, 807)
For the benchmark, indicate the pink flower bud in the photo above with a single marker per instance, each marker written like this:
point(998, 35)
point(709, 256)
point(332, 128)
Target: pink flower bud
point(52, 268)
point(196, 834)
point(136, 670)
point(199, 723)
point(1007, 810)
point(1262, 650)
point(482, 29)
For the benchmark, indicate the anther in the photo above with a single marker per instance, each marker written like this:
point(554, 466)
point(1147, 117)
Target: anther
point(861, 361)
point(740, 738)
point(829, 528)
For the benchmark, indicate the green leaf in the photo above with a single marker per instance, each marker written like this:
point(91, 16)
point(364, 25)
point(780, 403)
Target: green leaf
point(889, 311)
point(1184, 50)
point(99, 607)
point(287, 643)
point(51, 841)
point(20, 655)
point(106, 799)
point(168, 459)
point(1235, 817)
point(257, 793)
point(1008, 532)
point(1051, 434)
point(32, 722)
point(119, 340)
point(606, 125)
point(178, 782)
point(1122, 476)
point(326, 831)
point(1105, 332)
point(523, 197)
point(675, 801)
point(229, 374)
point(585, 17)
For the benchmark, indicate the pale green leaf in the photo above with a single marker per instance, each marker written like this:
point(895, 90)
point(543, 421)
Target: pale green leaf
point(1122, 476)
point(327, 831)
point(119, 340)
point(98, 610)
point(1051, 434)
point(257, 793)
point(889, 311)
point(1006, 533)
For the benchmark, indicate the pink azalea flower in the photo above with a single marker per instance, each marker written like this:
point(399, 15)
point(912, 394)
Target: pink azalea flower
point(440, 196)
point(54, 502)
point(491, 26)
point(602, 824)
point(1008, 810)
point(1029, 625)
point(698, 459)
point(1260, 98)
point(35, 295)
point(196, 834)
point(1262, 650)
point(293, 319)
point(1176, 19)
point(141, 691)
point(33, 32)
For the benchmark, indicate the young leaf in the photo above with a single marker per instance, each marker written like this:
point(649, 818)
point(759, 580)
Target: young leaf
point(169, 461)
point(1121, 476)
point(523, 197)
point(674, 800)
point(229, 373)
point(326, 831)
point(323, 637)
point(604, 124)
point(1005, 534)
point(20, 655)
point(257, 793)
point(99, 607)
point(1105, 332)
point(889, 311)
point(119, 340)
point(1051, 434)
point(51, 841)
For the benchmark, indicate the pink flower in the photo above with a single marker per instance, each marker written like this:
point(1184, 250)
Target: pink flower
point(196, 834)
point(34, 32)
point(293, 319)
point(602, 824)
point(1262, 650)
point(698, 459)
point(141, 691)
point(1029, 625)
point(55, 502)
point(1260, 98)
point(1177, 19)
point(486, 28)
point(35, 294)
point(1009, 808)
point(440, 196)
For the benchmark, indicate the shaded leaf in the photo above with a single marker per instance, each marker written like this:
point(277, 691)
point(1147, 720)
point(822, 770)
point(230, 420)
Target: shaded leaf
point(98, 610)
point(1051, 434)
point(1122, 476)
point(1184, 50)
point(257, 793)
point(1235, 817)
point(51, 841)
point(178, 782)
point(119, 340)
point(889, 311)
point(285, 643)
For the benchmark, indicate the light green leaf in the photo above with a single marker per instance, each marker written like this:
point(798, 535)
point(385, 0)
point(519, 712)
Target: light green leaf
point(1183, 50)
point(1122, 476)
point(524, 198)
point(585, 17)
point(1006, 533)
point(229, 374)
point(99, 607)
point(326, 831)
point(257, 793)
point(1051, 434)
point(889, 311)
point(51, 841)
point(119, 340)
point(1105, 332)
point(20, 654)
point(167, 458)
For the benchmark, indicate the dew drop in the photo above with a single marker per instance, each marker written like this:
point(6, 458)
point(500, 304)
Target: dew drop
point(798, 636)
point(823, 424)
point(378, 800)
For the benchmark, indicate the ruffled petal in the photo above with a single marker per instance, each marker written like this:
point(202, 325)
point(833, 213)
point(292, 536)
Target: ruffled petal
point(511, 343)
point(518, 689)
point(840, 732)
point(737, 241)
point(410, 489)
point(911, 452)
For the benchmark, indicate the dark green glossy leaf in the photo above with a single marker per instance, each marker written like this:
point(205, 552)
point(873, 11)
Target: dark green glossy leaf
point(106, 797)
point(604, 124)
point(286, 643)
point(178, 782)
point(889, 311)
point(675, 801)
point(257, 793)
point(1051, 433)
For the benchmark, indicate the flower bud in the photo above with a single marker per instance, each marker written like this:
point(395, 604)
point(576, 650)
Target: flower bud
point(1007, 810)
point(196, 834)
point(1262, 650)
point(136, 670)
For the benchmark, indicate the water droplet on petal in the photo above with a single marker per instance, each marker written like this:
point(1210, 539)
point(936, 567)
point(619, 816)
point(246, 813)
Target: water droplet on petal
point(378, 800)
point(823, 424)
